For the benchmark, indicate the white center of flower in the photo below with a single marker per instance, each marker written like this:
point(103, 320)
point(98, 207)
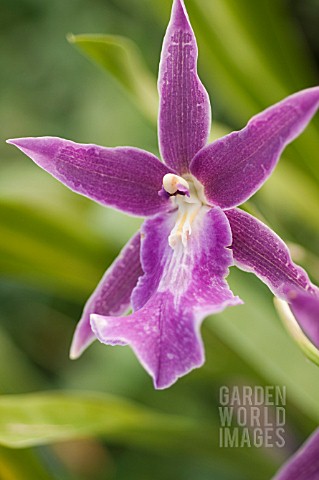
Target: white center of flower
point(187, 193)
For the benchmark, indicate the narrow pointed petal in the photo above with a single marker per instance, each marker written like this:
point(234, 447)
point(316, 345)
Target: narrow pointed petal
point(178, 289)
point(185, 114)
point(112, 295)
point(233, 168)
point(124, 178)
point(304, 464)
point(259, 250)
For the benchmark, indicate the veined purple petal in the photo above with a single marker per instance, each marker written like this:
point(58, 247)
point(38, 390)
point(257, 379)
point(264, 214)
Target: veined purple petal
point(178, 289)
point(112, 295)
point(233, 168)
point(259, 250)
point(304, 464)
point(185, 114)
point(124, 178)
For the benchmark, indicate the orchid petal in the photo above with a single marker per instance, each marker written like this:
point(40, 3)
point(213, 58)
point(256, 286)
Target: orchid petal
point(124, 178)
point(304, 464)
point(185, 115)
point(259, 250)
point(234, 167)
point(180, 286)
point(112, 295)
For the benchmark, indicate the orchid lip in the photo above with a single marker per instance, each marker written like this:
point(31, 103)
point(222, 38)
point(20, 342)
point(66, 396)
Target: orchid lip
point(189, 200)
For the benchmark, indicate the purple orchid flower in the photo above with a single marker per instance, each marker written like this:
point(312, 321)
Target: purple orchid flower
point(173, 272)
point(304, 464)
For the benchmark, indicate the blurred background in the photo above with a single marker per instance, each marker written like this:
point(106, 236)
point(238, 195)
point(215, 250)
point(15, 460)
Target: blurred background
point(99, 417)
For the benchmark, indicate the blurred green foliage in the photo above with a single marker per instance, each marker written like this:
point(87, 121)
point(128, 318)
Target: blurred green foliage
point(54, 245)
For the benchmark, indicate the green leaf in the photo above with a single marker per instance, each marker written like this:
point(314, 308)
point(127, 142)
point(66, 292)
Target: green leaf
point(289, 191)
point(22, 465)
point(35, 245)
point(122, 59)
point(43, 418)
point(17, 374)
